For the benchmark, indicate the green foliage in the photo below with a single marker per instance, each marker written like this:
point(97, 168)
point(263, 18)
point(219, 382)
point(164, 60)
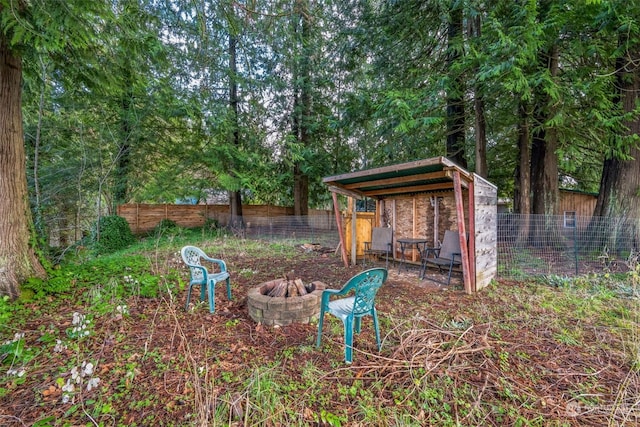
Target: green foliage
point(145, 285)
point(16, 354)
point(332, 419)
point(5, 309)
point(118, 275)
point(111, 233)
point(211, 224)
point(58, 282)
point(166, 226)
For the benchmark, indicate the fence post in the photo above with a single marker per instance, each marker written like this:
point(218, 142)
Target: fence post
point(575, 245)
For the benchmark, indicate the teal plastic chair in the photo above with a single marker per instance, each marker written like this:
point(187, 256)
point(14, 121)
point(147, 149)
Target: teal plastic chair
point(200, 276)
point(352, 309)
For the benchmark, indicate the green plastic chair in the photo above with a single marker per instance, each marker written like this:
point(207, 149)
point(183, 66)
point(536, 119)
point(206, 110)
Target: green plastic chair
point(351, 310)
point(200, 276)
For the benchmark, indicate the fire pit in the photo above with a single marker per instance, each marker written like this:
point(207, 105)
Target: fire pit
point(284, 301)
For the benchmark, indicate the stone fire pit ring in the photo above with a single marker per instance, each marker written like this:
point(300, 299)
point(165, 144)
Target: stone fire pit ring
point(281, 311)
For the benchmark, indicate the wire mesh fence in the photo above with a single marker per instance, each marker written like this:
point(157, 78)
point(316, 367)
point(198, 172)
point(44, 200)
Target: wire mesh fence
point(527, 245)
point(312, 229)
point(531, 245)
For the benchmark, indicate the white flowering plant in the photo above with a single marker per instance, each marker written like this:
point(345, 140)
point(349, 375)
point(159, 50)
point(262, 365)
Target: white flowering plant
point(17, 355)
point(82, 377)
point(79, 326)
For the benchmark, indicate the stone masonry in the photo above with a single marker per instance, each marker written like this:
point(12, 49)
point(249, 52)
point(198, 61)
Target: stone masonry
point(281, 311)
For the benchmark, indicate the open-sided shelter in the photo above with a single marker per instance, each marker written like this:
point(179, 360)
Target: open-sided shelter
point(422, 199)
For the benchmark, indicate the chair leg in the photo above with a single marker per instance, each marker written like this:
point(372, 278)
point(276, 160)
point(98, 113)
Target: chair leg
point(212, 296)
point(320, 322)
point(186, 306)
point(423, 269)
point(357, 322)
point(229, 288)
point(348, 339)
point(202, 290)
point(376, 328)
point(450, 269)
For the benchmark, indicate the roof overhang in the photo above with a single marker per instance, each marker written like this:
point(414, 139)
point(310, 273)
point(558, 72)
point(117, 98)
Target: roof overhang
point(421, 176)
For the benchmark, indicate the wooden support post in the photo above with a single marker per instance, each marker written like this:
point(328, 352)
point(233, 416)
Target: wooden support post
point(462, 232)
point(472, 237)
point(414, 226)
point(354, 231)
point(336, 209)
point(435, 202)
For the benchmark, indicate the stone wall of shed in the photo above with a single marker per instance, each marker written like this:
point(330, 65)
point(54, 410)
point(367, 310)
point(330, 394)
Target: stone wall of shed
point(413, 217)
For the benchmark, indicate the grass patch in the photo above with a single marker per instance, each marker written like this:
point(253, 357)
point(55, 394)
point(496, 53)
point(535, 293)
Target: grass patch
point(106, 341)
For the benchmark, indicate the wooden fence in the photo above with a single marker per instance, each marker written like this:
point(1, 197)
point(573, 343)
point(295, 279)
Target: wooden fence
point(143, 218)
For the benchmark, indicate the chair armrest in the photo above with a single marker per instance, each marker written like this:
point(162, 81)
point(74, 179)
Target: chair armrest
point(219, 262)
point(328, 293)
point(434, 251)
point(197, 267)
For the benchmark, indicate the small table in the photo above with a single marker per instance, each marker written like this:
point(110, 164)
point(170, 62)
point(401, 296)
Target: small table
point(406, 243)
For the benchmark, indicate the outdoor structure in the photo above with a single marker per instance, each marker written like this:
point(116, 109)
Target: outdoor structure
point(420, 200)
point(574, 204)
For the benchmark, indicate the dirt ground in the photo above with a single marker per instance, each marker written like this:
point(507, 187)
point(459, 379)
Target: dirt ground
point(150, 362)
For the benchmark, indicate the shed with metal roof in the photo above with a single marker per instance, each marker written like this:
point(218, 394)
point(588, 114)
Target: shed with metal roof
point(421, 199)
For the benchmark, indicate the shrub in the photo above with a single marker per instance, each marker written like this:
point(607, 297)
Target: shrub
point(111, 233)
point(166, 226)
point(211, 224)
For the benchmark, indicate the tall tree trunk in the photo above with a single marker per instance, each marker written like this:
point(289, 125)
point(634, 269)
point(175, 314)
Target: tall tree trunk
point(619, 195)
point(37, 208)
point(481, 135)
point(235, 196)
point(302, 110)
point(544, 144)
point(17, 258)
point(123, 162)
point(522, 190)
point(522, 187)
point(456, 89)
point(544, 161)
point(475, 27)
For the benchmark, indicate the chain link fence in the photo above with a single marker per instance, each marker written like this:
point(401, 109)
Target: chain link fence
point(565, 245)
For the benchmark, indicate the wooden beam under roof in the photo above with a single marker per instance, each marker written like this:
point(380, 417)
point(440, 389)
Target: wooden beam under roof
point(398, 180)
point(409, 189)
point(345, 192)
point(465, 178)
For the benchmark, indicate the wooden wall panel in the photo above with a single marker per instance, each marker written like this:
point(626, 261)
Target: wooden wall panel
point(580, 203)
point(486, 234)
point(364, 224)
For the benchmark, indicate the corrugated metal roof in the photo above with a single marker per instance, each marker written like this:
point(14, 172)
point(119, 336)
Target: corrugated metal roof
point(420, 176)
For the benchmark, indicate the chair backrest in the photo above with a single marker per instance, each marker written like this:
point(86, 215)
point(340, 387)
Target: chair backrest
point(450, 244)
point(191, 256)
point(381, 238)
point(366, 285)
